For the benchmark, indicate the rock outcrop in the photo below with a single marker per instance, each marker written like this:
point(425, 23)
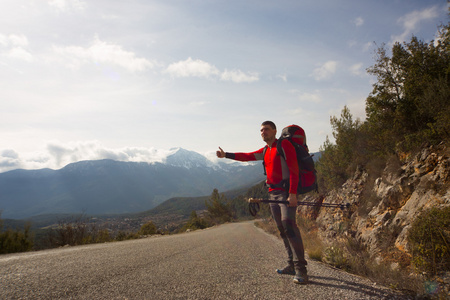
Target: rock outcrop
point(383, 209)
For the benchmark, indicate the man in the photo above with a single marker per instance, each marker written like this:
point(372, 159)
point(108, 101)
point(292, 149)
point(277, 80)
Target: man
point(278, 170)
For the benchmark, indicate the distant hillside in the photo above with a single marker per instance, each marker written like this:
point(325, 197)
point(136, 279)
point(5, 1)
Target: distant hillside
point(112, 187)
point(185, 205)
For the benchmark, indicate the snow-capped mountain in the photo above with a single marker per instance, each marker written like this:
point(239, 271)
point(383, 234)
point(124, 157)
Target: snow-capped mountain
point(109, 186)
point(187, 159)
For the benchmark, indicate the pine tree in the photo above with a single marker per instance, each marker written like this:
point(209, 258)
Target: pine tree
point(219, 211)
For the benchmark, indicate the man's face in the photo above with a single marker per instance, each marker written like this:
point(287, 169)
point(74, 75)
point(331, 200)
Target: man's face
point(268, 133)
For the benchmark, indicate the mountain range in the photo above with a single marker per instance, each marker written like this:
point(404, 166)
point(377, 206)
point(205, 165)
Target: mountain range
point(113, 187)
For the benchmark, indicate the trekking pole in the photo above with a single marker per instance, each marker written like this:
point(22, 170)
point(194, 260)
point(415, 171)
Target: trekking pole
point(253, 204)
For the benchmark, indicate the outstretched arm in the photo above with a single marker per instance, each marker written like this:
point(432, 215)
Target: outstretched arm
point(257, 155)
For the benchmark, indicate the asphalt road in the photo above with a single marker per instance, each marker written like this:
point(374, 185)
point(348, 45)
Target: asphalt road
point(232, 261)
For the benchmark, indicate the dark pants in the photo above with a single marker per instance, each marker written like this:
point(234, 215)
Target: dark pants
point(284, 217)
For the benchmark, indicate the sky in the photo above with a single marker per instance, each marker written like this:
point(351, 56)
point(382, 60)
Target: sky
point(131, 80)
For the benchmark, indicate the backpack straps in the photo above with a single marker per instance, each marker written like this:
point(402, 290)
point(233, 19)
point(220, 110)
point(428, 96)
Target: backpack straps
point(284, 184)
point(264, 155)
point(280, 150)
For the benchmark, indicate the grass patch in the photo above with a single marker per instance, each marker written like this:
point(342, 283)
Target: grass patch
point(269, 226)
point(335, 256)
point(311, 241)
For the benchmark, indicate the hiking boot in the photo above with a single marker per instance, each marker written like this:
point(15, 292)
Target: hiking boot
point(288, 270)
point(301, 277)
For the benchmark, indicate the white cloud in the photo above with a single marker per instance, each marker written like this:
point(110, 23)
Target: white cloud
point(324, 71)
point(20, 53)
point(13, 40)
point(15, 47)
point(283, 77)
point(64, 5)
point(367, 46)
point(56, 155)
point(192, 68)
point(411, 21)
point(202, 69)
point(102, 52)
point(295, 111)
point(9, 153)
point(198, 103)
point(4, 40)
point(356, 69)
point(238, 76)
point(352, 43)
point(358, 21)
point(310, 97)
point(9, 160)
point(18, 40)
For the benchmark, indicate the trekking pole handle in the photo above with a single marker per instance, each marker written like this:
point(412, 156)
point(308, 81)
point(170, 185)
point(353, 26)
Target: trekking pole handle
point(254, 200)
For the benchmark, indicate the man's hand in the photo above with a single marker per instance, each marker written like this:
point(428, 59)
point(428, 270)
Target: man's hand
point(220, 153)
point(292, 200)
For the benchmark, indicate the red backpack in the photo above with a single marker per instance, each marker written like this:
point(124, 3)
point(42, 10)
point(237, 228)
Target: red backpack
point(308, 179)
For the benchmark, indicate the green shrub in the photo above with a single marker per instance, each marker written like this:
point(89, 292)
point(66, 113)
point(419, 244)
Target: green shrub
point(195, 222)
point(124, 236)
point(76, 230)
point(102, 236)
point(148, 228)
point(335, 256)
point(12, 241)
point(429, 241)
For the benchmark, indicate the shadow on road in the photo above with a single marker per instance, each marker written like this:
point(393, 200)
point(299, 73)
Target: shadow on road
point(348, 285)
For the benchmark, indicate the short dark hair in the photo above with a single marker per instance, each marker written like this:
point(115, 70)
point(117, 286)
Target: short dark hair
point(270, 123)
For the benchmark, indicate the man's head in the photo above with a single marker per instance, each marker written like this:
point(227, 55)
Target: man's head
point(268, 132)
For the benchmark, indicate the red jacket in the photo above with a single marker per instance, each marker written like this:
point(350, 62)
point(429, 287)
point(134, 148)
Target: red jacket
point(277, 168)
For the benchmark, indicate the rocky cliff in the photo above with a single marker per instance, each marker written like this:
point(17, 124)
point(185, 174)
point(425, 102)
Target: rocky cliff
point(382, 208)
